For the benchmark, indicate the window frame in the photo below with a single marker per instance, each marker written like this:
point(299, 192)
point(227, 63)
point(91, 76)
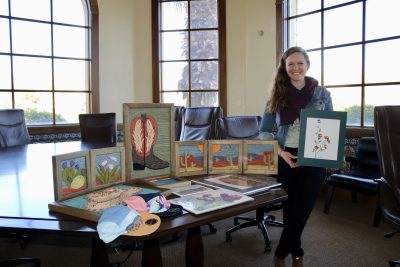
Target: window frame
point(93, 87)
point(156, 72)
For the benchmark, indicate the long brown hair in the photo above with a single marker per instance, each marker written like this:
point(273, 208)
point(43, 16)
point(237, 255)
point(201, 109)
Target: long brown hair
point(278, 99)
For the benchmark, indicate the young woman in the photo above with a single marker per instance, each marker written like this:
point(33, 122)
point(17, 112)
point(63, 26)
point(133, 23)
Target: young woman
point(292, 91)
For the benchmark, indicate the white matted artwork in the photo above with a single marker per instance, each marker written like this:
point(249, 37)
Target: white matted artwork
point(322, 135)
point(322, 143)
point(211, 200)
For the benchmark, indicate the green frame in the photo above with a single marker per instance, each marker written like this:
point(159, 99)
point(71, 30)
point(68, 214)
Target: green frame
point(322, 138)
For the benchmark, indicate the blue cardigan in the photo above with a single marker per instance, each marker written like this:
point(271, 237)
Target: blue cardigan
point(321, 100)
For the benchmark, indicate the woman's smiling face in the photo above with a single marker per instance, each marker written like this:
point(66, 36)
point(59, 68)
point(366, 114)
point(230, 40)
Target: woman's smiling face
point(296, 67)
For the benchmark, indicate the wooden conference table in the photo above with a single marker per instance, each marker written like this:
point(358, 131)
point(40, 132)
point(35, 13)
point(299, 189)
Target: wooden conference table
point(26, 189)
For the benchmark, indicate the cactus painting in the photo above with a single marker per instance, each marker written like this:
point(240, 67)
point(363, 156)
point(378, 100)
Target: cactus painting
point(225, 156)
point(191, 158)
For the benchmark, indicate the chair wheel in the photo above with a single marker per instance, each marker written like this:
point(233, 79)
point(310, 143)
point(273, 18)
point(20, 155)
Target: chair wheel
point(213, 230)
point(228, 239)
point(267, 248)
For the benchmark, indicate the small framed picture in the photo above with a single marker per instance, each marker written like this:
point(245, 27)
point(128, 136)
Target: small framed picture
point(191, 158)
point(322, 138)
point(71, 174)
point(225, 156)
point(260, 157)
point(107, 166)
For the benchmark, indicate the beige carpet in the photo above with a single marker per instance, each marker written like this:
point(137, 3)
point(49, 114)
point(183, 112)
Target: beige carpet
point(344, 237)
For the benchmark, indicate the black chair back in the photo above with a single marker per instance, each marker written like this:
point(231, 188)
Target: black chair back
point(198, 123)
point(238, 127)
point(13, 130)
point(366, 164)
point(178, 121)
point(387, 132)
point(100, 127)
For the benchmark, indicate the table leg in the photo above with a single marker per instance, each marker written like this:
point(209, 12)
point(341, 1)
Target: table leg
point(194, 248)
point(99, 257)
point(151, 255)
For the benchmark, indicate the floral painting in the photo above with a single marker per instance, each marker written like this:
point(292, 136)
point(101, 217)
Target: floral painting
point(107, 166)
point(321, 142)
point(322, 137)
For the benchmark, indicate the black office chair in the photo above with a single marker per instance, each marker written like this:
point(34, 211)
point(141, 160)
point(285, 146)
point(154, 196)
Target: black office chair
point(361, 177)
point(247, 127)
point(387, 132)
point(238, 127)
point(198, 123)
point(178, 121)
point(13, 130)
point(99, 127)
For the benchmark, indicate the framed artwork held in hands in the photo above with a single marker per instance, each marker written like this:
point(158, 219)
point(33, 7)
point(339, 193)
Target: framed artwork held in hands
point(322, 137)
point(260, 157)
point(225, 156)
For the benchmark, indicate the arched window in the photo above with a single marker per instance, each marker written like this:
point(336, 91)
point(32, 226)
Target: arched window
point(47, 63)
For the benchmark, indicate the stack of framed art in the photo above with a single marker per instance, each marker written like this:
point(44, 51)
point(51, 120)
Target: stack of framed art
point(247, 185)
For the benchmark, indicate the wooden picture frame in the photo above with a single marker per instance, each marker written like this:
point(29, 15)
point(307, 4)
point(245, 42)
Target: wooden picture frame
point(78, 206)
point(71, 175)
point(167, 182)
point(148, 138)
point(225, 156)
point(322, 138)
point(190, 158)
point(260, 157)
point(107, 166)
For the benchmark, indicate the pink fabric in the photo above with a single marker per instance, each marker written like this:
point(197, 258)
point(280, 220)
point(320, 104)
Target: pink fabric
point(136, 203)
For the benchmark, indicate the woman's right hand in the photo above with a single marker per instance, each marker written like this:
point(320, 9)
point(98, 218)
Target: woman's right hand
point(289, 158)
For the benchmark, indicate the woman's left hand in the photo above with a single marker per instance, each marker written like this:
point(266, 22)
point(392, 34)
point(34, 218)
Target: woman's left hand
point(289, 158)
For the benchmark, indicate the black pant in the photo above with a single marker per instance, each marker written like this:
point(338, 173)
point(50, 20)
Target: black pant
point(303, 185)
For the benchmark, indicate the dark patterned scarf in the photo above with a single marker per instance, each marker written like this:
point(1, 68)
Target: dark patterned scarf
point(296, 100)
